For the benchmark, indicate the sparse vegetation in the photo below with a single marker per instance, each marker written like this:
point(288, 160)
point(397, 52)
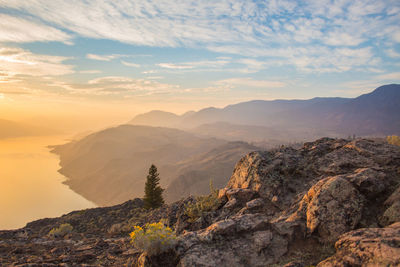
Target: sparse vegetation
point(154, 238)
point(61, 231)
point(203, 204)
point(394, 140)
point(153, 192)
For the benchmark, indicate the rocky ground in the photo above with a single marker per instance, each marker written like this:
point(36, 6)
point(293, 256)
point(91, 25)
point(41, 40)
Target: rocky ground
point(332, 202)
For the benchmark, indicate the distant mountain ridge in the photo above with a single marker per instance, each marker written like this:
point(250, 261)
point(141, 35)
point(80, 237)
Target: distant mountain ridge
point(375, 113)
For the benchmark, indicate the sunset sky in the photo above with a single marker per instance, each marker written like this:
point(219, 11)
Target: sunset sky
point(119, 58)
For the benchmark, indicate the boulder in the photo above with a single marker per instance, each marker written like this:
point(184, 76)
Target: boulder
point(333, 207)
point(244, 240)
point(368, 181)
point(392, 213)
point(367, 247)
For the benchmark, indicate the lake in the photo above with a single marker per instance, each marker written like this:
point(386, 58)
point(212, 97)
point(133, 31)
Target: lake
point(30, 186)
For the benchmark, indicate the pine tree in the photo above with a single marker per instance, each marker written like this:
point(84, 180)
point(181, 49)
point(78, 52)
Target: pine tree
point(152, 190)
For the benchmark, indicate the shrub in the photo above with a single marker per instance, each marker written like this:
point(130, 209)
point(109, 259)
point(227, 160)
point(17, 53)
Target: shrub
point(394, 140)
point(61, 231)
point(203, 204)
point(153, 239)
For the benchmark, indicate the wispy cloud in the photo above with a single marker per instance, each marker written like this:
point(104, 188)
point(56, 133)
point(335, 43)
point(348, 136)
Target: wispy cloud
point(174, 66)
point(249, 82)
point(201, 64)
point(102, 57)
point(392, 53)
point(128, 86)
point(229, 26)
point(17, 61)
point(394, 76)
point(19, 30)
point(90, 71)
point(130, 64)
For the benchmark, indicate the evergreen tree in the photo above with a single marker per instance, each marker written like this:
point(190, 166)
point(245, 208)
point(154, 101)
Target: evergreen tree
point(152, 190)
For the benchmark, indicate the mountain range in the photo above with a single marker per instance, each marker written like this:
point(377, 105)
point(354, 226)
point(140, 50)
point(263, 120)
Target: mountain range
point(190, 150)
point(373, 114)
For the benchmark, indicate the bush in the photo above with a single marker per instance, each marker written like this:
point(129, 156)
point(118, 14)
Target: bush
point(393, 140)
point(153, 239)
point(61, 231)
point(203, 204)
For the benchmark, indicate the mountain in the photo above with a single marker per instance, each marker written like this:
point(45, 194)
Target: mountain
point(11, 129)
point(330, 202)
point(157, 118)
point(110, 166)
point(195, 174)
point(376, 113)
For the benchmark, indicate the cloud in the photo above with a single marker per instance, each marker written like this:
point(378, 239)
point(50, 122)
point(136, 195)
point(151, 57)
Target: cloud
point(343, 39)
point(174, 66)
point(90, 71)
point(249, 82)
point(118, 84)
point(102, 57)
point(130, 64)
point(202, 64)
point(247, 28)
point(149, 71)
point(392, 53)
point(17, 61)
point(395, 76)
point(19, 30)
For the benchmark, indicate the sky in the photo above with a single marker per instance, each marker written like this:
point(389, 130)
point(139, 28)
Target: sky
point(120, 58)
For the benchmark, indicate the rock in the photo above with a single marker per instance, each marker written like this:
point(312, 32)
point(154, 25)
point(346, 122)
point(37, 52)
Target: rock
point(367, 247)
point(255, 203)
point(294, 264)
point(166, 259)
point(247, 240)
point(270, 175)
point(334, 207)
point(368, 181)
point(238, 197)
point(392, 213)
point(240, 194)
point(233, 203)
point(222, 193)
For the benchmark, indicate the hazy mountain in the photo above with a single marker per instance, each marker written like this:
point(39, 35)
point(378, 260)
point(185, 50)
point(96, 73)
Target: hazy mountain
point(111, 166)
point(194, 175)
point(376, 113)
point(157, 118)
point(11, 129)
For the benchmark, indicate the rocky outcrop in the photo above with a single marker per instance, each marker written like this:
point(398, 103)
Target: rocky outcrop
point(331, 202)
point(367, 247)
point(314, 194)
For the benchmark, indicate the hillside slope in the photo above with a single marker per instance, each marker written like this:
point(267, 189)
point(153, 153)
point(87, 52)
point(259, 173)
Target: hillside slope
point(110, 166)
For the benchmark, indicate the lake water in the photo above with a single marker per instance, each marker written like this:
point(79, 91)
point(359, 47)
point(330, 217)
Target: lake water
point(30, 186)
